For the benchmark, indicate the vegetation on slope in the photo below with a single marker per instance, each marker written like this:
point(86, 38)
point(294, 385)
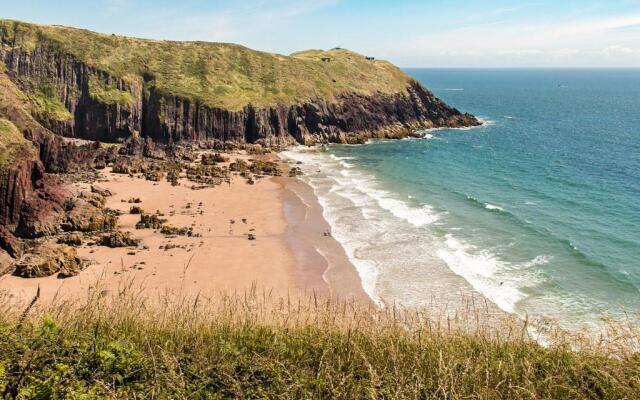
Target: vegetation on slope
point(108, 94)
point(15, 117)
point(12, 142)
point(15, 105)
point(46, 105)
point(250, 347)
point(217, 74)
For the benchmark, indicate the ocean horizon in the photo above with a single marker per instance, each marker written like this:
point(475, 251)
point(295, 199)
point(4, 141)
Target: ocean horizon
point(538, 209)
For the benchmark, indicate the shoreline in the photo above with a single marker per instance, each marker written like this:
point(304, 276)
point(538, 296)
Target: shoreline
point(445, 294)
point(309, 237)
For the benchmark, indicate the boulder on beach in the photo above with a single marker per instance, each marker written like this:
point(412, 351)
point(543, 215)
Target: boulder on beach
point(48, 259)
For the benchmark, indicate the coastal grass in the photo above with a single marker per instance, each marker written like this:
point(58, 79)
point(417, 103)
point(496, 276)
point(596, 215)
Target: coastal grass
point(221, 75)
point(12, 142)
point(108, 94)
point(47, 106)
point(253, 345)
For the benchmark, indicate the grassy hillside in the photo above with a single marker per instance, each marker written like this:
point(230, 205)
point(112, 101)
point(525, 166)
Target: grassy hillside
point(249, 347)
point(15, 116)
point(218, 74)
point(12, 142)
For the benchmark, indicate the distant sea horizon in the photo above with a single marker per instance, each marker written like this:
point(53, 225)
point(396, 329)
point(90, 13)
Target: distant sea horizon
point(409, 69)
point(538, 209)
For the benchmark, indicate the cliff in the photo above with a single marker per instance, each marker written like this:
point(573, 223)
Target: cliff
point(30, 198)
point(58, 82)
point(106, 87)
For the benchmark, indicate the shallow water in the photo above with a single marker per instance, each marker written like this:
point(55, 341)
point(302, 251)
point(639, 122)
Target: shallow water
point(539, 209)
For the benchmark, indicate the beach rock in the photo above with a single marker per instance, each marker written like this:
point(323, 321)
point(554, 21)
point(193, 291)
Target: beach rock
point(295, 171)
point(95, 199)
point(9, 243)
point(136, 210)
point(240, 166)
point(170, 230)
point(150, 221)
point(17, 182)
point(154, 176)
point(260, 167)
point(213, 158)
point(6, 263)
point(43, 211)
point(85, 216)
point(118, 239)
point(48, 259)
point(73, 239)
point(142, 147)
point(100, 191)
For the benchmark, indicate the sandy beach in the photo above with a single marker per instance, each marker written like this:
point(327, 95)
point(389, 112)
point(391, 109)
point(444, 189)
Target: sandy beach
point(293, 252)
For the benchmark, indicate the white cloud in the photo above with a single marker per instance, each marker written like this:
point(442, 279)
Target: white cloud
point(595, 41)
point(234, 22)
point(617, 50)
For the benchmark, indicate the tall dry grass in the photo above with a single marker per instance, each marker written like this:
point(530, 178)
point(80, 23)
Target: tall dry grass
point(256, 345)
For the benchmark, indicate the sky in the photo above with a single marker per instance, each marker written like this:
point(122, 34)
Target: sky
point(410, 33)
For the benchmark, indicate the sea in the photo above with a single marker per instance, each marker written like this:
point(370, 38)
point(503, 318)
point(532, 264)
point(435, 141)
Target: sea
point(538, 210)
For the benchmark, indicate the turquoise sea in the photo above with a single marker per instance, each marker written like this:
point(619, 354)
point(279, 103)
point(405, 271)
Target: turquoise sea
point(538, 209)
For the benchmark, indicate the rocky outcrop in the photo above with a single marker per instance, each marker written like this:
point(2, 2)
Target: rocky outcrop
point(9, 243)
point(42, 211)
point(167, 118)
point(87, 215)
point(17, 182)
point(49, 259)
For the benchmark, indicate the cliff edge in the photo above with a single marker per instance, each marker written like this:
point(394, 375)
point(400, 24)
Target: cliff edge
point(106, 87)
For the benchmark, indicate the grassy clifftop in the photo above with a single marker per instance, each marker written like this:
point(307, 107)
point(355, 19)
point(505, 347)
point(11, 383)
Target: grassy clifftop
point(217, 74)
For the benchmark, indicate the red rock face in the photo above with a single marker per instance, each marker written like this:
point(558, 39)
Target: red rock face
point(17, 182)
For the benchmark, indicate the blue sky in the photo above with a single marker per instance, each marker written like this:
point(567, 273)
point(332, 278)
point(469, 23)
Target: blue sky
point(411, 33)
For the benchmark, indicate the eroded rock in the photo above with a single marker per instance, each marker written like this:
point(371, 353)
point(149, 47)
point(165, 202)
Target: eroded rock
point(150, 221)
point(48, 259)
point(118, 239)
point(87, 217)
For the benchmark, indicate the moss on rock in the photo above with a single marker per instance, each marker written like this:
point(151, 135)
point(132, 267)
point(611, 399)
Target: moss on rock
point(107, 93)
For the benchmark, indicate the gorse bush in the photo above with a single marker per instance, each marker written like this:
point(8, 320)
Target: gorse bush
point(253, 346)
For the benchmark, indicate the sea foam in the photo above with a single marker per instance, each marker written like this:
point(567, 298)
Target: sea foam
point(364, 216)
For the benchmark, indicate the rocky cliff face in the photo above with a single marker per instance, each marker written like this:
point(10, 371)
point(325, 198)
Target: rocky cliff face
point(90, 118)
point(169, 118)
point(16, 184)
point(29, 196)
